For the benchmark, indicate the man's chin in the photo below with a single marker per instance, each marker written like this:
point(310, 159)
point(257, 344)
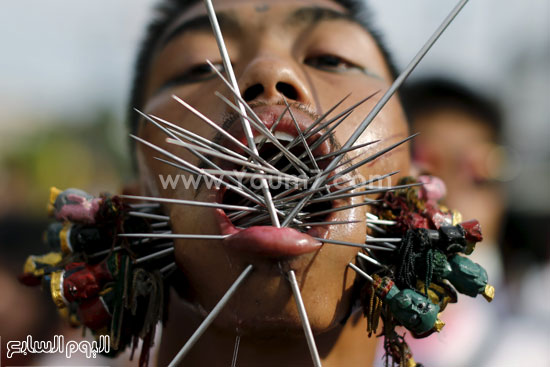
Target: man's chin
point(268, 323)
point(264, 304)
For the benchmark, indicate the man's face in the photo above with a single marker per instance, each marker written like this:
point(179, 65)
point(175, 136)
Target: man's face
point(308, 53)
point(466, 160)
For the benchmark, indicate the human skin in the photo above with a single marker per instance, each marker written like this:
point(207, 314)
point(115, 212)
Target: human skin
point(465, 160)
point(266, 51)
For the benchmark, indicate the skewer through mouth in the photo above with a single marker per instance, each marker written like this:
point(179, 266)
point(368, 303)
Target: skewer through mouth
point(304, 148)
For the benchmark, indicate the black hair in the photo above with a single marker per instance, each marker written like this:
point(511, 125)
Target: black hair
point(437, 93)
point(168, 11)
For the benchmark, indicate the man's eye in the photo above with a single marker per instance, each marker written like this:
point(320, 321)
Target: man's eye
point(202, 71)
point(195, 74)
point(331, 63)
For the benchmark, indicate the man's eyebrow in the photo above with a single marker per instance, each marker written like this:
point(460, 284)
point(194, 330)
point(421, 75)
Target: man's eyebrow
point(310, 16)
point(201, 23)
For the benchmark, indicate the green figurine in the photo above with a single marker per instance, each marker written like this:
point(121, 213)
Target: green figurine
point(469, 278)
point(413, 310)
point(466, 276)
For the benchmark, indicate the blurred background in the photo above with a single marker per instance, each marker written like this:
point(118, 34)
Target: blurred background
point(65, 71)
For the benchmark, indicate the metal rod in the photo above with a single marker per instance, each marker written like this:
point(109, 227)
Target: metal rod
point(144, 206)
point(382, 222)
point(191, 202)
point(346, 243)
point(301, 136)
point(314, 224)
point(315, 145)
point(189, 134)
point(355, 147)
point(154, 255)
point(196, 169)
point(193, 149)
point(359, 193)
point(168, 268)
point(265, 131)
point(149, 216)
point(361, 272)
point(305, 321)
point(176, 236)
point(246, 126)
point(236, 350)
point(368, 159)
point(210, 318)
point(376, 228)
point(370, 259)
point(364, 183)
point(223, 156)
point(332, 210)
point(282, 198)
point(220, 130)
point(379, 239)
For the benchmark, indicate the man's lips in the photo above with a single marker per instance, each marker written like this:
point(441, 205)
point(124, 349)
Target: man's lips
point(266, 240)
point(271, 113)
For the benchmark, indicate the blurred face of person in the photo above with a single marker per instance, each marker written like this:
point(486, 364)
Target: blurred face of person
point(312, 54)
point(460, 149)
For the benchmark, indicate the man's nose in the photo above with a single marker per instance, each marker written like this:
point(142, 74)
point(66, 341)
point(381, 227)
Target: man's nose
point(269, 79)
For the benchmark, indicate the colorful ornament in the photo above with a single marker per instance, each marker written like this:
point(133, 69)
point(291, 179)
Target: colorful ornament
point(415, 282)
point(98, 279)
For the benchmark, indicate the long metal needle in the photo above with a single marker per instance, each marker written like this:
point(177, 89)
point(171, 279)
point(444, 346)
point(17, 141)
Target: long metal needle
point(259, 125)
point(154, 255)
point(361, 272)
point(318, 126)
point(210, 318)
point(305, 321)
point(176, 236)
point(352, 244)
point(219, 130)
point(246, 126)
point(149, 216)
point(359, 193)
point(328, 223)
point(340, 208)
point(196, 153)
point(370, 259)
point(301, 136)
point(236, 350)
point(191, 203)
point(364, 183)
point(196, 169)
point(189, 134)
point(378, 107)
point(212, 152)
point(368, 159)
point(338, 152)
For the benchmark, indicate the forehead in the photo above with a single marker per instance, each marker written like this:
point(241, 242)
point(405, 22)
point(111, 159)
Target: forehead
point(236, 7)
point(220, 5)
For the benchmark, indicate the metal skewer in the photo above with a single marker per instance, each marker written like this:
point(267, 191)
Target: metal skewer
point(246, 126)
point(210, 318)
point(305, 321)
point(190, 202)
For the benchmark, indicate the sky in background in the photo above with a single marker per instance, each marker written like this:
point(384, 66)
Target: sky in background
point(67, 58)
